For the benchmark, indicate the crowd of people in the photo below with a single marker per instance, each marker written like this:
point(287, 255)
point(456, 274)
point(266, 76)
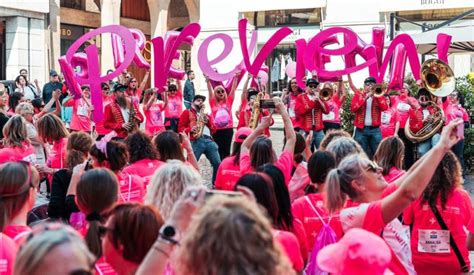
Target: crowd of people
point(125, 195)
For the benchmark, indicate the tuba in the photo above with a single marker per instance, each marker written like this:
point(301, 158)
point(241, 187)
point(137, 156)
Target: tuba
point(256, 110)
point(438, 78)
point(327, 91)
point(200, 123)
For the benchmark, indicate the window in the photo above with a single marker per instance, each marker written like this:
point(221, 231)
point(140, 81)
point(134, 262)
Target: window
point(73, 4)
point(276, 18)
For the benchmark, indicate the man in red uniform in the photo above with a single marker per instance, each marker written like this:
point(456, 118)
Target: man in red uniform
point(367, 109)
point(117, 114)
point(201, 143)
point(309, 110)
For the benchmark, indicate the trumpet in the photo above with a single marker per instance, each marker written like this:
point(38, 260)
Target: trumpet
point(327, 92)
point(378, 90)
point(437, 77)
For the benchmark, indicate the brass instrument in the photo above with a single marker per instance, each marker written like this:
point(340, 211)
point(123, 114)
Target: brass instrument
point(200, 123)
point(256, 110)
point(132, 117)
point(326, 92)
point(378, 90)
point(437, 77)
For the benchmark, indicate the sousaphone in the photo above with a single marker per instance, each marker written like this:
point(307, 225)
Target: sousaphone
point(438, 79)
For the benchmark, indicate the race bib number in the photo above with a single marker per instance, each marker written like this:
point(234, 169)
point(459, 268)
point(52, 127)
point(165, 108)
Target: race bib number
point(433, 241)
point(82, 110)
point(330, 116)
point(30, 159)
point(386, 118)
point(403, 107)
point(291, 112)
point(426, 113)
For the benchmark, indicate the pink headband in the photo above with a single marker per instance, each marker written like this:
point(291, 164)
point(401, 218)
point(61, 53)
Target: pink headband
point(102, 144)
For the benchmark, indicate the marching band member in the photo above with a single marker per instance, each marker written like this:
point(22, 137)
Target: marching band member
point(310, 109)
point(199, 125)
point(367, 109)
point(404, 103)
point(117, 114)
point(246, 113)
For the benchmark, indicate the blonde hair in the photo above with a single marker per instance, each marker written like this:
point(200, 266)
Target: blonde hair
point(14, 132)
point(339, 181)
point(24, 108)
point(231, 236)
point(168, 183)
point(34, 250)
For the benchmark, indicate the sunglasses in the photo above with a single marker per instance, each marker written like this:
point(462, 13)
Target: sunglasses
point(220, 91)
point(372, 167)
point(312, 86)
point(106, 88)
point(133, 81)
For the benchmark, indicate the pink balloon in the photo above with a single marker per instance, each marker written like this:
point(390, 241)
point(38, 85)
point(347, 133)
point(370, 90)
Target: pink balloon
point(443, 41)
point(69, 78)
point(140, 39)
point(378, 40)
point(291, 69)
point(300, 64)
point(80, 60)
point(397, 70)
point(94, 78)
point(228, 84)
point(163, 56)
point(276, 38)
point(117, 50)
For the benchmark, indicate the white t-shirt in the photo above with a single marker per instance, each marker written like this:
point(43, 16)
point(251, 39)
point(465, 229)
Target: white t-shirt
point(368, 112)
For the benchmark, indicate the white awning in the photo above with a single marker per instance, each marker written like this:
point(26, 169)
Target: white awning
point(411, 5)
point(462, 38)
point(268, 5)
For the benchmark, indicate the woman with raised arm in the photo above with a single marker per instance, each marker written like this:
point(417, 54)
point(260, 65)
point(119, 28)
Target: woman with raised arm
point(289, 99)
point(258, 150)
point(221, 107)
point(332, 120)
point(374, 205)
point(153, 109)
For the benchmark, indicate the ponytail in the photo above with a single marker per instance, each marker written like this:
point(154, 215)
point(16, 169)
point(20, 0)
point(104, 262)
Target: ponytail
point(336, 198)
point(92, 238)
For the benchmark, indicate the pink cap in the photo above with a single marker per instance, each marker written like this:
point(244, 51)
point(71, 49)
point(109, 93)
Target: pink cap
point(242, 133)
point(8, 250)
point(358, 252)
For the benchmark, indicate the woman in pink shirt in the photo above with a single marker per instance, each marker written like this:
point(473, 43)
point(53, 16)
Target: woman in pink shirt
point(374, 205)
point(389, 121)
point(257, 150)
point(153, 109)
point(128, 235)
point(430, 242)
point(389, 156)
point(289, 99)
point(404, 103)
point(221, 107)
point(52, 130)
point(263, 188)
point(81, 111)
point(171, 145)
point(299, 174)
point(455, 110)
point(113, 155)
point(107, 98)
point(143, 157)
point(17, 146)
point(229, 170)
point(310, 210)
point(18, 195)
point(175, 106)
point(332, 120)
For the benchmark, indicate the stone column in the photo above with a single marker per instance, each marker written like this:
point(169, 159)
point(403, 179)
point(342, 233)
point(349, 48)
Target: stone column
point(53, 38)
point(109, 15)
point(158, 16)
point(16, 37)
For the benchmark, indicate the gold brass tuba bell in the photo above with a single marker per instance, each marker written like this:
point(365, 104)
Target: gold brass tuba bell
point(437, 77)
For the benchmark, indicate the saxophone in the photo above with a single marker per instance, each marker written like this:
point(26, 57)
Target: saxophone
point(200, 123)
point(132, 120)
point(256, 110)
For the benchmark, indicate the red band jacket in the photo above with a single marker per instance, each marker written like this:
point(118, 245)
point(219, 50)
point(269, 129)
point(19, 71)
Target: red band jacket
point(309, 113)
point(359, 104)
point(114, 120)
point(188, 120)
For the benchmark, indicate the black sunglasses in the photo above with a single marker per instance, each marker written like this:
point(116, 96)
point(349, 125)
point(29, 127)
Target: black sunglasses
point(312, 86)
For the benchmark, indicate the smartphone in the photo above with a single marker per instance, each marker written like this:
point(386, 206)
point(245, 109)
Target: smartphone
point(267, 104)
point(211, 193)
point(88, 165)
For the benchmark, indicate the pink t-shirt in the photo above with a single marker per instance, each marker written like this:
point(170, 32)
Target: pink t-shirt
point(453, 112)
point(284, 162)
point(227, 175)
point(299, 181)
point(81, 115)
point(403, 109)
point(432, 253)
point(104, 268)
point(57, 154)
point(222, 113)
point(290, 247)
point(388, 120)
point(393, 174)
point(17, 233)
point(154, 119)
point(26, 153)
point(131, 188)
point(8, 251)
point(99, 125)
point(144, 168)
point(368, 216)
point(175, 105)
point(291, 109)
point(334, 105)
point(304, 213)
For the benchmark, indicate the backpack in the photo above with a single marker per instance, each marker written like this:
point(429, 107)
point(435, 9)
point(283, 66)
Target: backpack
point(325, 237)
